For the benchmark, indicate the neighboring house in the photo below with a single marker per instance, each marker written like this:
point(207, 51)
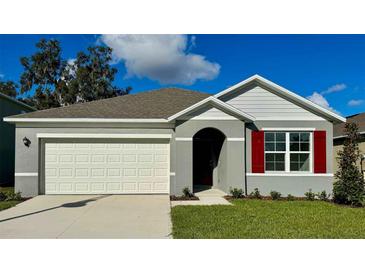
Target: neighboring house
point(255, 134)
point(8, 106)
point(339, 138)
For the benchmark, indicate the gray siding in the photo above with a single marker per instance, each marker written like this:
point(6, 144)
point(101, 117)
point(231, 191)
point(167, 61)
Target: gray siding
point(7, 140)
point(263, 104)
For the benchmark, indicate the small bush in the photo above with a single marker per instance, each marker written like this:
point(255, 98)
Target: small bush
point(290, 197)
point(255, 194)
point(236, 193)
point(275, 195)
point(187, 193)
point(12, 196)
point(323, 196)
point(310, 196)
point(2, 196)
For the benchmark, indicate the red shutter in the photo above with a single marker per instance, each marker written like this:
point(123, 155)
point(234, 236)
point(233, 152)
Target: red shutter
point(257, 151)
point(319, 140)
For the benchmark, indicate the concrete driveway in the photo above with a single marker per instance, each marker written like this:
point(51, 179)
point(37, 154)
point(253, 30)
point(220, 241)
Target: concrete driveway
point(88, 216)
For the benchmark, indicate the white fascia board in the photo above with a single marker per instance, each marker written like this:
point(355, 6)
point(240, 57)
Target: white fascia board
point(285, 93)
point(288, 129)
point(82, 120)
point(103, 136)
point(215, 102)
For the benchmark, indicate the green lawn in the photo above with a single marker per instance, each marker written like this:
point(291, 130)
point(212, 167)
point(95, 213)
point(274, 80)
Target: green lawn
point(262, 219)
point(7, 204)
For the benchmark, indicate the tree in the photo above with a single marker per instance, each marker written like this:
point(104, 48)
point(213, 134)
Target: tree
point(43, 71)
point(57, 82)
point(90, 77)
point(349, 185)
point(8, 88)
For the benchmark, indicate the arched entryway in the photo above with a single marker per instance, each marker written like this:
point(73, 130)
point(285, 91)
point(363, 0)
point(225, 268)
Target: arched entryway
point(207, 145)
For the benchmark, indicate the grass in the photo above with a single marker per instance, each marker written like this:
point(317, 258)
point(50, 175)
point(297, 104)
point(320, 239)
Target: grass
point(7, 204)
point(263, 219)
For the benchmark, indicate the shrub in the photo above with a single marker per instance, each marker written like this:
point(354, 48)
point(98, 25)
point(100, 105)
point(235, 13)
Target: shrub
point(236, 192)
point(349, 185)
point(323, 196)
point(187, 193)
point(12, 196)
point(255, 194)
point(310, 196)
point(290, 197)
point(275, 195)
point(2, 196)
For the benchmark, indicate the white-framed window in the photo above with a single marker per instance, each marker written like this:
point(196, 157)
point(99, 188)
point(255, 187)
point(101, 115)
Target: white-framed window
point(288, 151)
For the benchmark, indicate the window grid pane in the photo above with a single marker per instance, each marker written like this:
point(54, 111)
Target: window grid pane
point(299, 141)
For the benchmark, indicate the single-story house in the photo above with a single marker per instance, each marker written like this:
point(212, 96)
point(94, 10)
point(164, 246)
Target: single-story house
point(255, 134)
point(8, 106)
point(339, 138)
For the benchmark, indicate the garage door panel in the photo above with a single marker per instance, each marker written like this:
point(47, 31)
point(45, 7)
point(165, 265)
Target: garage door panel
point(84, 168)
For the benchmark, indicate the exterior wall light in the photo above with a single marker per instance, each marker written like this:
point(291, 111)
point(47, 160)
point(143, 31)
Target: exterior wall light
point(26, 142)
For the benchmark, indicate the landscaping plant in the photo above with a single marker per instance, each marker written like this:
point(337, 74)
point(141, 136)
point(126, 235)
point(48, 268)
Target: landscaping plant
point(236, 193)
point(275, 195)
point(187, 193)
point(310, 196)
point(323, 196)
point(255, 194)
point(348, 187)
point(290, 197)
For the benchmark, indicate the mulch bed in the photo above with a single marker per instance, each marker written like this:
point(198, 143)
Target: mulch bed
point(183, 198)
point(229, 198)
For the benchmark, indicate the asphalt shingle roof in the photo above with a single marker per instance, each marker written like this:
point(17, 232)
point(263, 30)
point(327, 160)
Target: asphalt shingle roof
point(358, 118)
point(155, 104)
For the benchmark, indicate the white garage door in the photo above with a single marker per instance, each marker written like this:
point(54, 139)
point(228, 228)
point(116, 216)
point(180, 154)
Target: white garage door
point(106, 167)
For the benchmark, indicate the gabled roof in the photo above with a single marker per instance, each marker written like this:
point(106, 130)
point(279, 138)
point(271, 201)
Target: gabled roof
point(6, 97)
point(357, 118)
point(156, 104)
point(162, 105)
point(216, 103)
point(287, 94)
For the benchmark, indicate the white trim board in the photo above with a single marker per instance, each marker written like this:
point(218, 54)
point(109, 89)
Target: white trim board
point(288, 129)
point(104, 136)
point(26, 174)
point(236, 139)
point(286, 94)
point(183, 139)
point(217, 103)
point(290, 174)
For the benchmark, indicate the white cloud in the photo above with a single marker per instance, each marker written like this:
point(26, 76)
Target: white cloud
point(71, 66)
point(334, 88)
point(320, 100)
point(165, 58)
point(354, 103)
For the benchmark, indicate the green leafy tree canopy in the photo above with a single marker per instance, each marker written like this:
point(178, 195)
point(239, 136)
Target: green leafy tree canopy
point(57, 82)
point(8, 88)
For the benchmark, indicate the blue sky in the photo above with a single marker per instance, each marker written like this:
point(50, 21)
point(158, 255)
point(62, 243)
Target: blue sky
point(328, 69)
